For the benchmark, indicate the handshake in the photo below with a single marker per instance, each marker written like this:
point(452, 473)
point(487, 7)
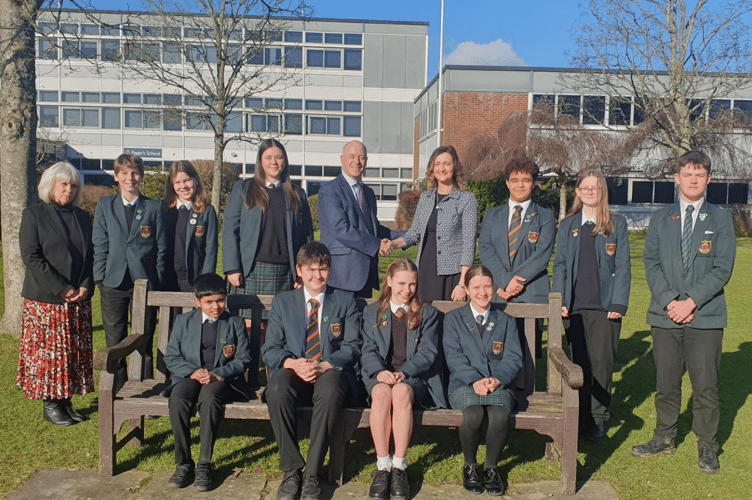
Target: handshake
point(386, 248)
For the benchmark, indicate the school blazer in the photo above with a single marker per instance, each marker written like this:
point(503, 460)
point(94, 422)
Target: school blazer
point(712, 260)
point(470, 358)
point(340, 331)
point(612, 254)
point(200, 244)
point(142, 250)
point(538, 233)
point(45, 253)
point(183, 353)
point(346, 235)
point(242, 229)
point(422, 348)
point(456, 225)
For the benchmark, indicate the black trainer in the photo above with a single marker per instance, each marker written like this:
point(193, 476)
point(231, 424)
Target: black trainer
point(471, 479)
point(653, 447)
point(289, 489)
point(182, 477)
point(492, 481)
point(311, 489)
point(203, 477)
point(379, 489)
point(708, 460)
point(400, 487)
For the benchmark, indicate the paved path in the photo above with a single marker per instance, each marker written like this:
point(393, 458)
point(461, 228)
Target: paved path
point(137, 485)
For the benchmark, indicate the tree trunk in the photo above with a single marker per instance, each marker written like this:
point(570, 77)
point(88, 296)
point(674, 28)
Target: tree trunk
point(18, 121)
point(219, 152)
point(562, 197)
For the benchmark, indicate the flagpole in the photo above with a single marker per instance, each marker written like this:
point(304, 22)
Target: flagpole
point(441, 65)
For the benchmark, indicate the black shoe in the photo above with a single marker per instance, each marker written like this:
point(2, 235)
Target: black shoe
point(379, 489)
point(55, 413)
point(492, 481)
point(708, 460)
point(182, 477)
point(400, 487)
point(471, 480)
point(653, 447)
point(289, 489)
point(73, 414)
point(203, 477)
point(311, 489)
point(593, 434)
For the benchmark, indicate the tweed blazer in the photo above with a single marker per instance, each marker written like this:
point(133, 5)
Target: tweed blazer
point(456, 225)
point(612, 256)
point(711, 262)
point(538, 232)
point(200, 244)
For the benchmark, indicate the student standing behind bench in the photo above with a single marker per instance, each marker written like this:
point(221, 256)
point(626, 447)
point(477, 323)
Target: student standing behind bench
point(207, 355)
point(312, 346)
point(130, 243)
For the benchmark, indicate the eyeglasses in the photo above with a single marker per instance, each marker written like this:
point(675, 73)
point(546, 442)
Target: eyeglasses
point(589, 190)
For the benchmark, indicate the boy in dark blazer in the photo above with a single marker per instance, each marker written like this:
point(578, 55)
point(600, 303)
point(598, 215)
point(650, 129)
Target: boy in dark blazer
point(689, 254)
point(130, 243)
point(312, 346)
point(207, 355)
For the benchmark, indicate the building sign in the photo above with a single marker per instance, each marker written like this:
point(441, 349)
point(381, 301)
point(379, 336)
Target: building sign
point(144, 152)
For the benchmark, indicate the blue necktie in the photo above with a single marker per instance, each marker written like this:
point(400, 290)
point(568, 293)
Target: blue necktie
point(687, 237)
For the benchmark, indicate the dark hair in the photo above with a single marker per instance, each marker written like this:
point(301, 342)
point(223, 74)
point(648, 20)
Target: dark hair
point(414, 306)
point(199, 201)
point(128, 160)
point(477, 271)
point(695, 158)
point(314, 252)
point(209, 284)
point(524, 165)
point(256, 195)
point(456, 175)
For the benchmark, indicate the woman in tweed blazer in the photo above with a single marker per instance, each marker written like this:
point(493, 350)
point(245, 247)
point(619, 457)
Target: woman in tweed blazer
point(444, 225)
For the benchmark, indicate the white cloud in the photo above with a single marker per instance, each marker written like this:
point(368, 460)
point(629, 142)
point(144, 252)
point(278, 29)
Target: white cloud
point(496, 53)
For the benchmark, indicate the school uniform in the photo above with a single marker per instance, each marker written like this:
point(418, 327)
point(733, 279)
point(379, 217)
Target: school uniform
point(417, 352)
point(219, 345)
point(711, 250)
point(193, 245)
point(593, 274)
point(338, 342)
point(130, 243)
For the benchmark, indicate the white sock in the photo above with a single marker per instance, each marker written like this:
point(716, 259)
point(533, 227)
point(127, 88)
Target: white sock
point(399, 462)
point(384, 463)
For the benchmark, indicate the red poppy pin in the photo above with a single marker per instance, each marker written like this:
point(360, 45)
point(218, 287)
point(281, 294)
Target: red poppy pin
point(498, 347)
point(336, 330)
point(705, 247)
point(145, 231)
point(532, 236)
point(199, 231)
point(228, 351)
point(610, 249)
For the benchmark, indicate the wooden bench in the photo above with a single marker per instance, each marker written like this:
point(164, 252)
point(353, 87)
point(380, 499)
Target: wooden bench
point(552, 412)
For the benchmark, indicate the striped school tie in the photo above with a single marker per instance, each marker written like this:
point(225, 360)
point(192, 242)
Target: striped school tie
point(514, 228)
point(313, 340)
point(687, 237)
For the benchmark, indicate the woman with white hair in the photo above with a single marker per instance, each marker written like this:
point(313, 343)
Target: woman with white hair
point(55, 361)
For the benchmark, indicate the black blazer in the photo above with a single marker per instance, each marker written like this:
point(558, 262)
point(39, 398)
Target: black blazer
point(200, 245)
point(45, 252)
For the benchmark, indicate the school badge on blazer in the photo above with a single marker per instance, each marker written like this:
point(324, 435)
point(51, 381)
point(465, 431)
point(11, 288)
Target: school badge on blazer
point(610, 249)
point(145, 231)
point(705, 247)
point(199, 231)
point(228, 351)
point(498, 347)
point(532, 236)
point(336, 330)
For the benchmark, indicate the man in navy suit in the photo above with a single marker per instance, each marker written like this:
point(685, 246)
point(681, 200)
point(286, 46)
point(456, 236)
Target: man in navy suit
point(311, 348)
point(349, 227)
point(207, 354)
point(130, 243)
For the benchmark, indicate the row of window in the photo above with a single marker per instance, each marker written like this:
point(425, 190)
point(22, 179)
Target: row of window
point(599, 110)
point(428, 120)
point(130, 30)
point(333, 171)
point(664, 192)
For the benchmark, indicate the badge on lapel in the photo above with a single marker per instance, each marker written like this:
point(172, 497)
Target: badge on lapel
point(702, 216)
point(139, 214)
point(199, 231)
point(575, 232)
point(490, 326)
point(145, 231)
point(532, 236)
point(384, 320)
point(610, 249)
point(228, 351)
point(498, 347)
point(336, 330)
point(675, 217)
point(705, 246)
point(529, 216)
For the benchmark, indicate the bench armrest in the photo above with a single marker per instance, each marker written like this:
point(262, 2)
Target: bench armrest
point(570, 372)
point(109, 358)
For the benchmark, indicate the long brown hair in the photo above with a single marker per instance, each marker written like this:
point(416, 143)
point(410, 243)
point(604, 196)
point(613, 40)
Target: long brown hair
point(414, 307)
point(457, 178)
point(256, 195)
point(602, 212)
point(199, 201)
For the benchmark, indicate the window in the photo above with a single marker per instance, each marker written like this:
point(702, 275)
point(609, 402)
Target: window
point(333, 38)
point(353, 39)
point(152, 99)
point(352, 106)
point(48, 116)
point(131, 30)
point(192, 101)
point(134, 118)
point(69, 28)
point(110, 50)
point(110, 31)
point(254, 102)
point(273, 56)
point(293, 103)
point(152, 31)
point(71, 49)
point(312, 37)
point(696, 109)
point(295, 169)
point(313, 104)
point(294, 124)
point(71, 117)
point(351, 126)
point(210, 54)
point(333, 105)
point(642, 192)
point(332, 59)
point(543, 109)
point(89, 49)
point(389, 192)
point(111, 118)
point(620, 112)
point(594, 110)
point(353, 59)
point(293, 36)
point(738, 193)
point(47, 28)
point(90, 29)
point(194, 121)
point(152, 119)
point(48, 49)
point(406, 173)
point(89, 96)
point(111, 97)
point(171, 53)
point(172, 32)
point(69, 96)
point(172, 118)
point(718, 107)
point(274, 103)
point(257, 123)
point(48, 96)
point(716, 193)
point(569, 109)
point(234, 123)
point(131, 98)
point(316, 125)
point(272, 123)
point(744, 107)
point(314, 170)
point(332, 171)
point(171, 99)
point(332, 126)
point(315, 58)
point(90, 117)
point(617, 190)
point(663, 192)
point(293, 57)
point(256, 58)
point(390, 172)
point(192, 32)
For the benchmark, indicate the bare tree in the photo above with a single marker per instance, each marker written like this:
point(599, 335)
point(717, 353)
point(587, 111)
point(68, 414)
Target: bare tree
point(221, 57)
point(678, 63)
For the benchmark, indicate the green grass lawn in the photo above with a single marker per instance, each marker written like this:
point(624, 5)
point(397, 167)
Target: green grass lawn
point(29, 443)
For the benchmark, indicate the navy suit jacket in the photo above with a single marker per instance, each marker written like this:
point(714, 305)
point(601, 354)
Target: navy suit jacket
point(200, 244)
point(711, 262)
point(340, 331)
point(142, 250)
point(422, 348)
point(612, 255)
point(471, 358)
point(345, 233)
point(183, 353)
point(242, 227)
point(538, 233)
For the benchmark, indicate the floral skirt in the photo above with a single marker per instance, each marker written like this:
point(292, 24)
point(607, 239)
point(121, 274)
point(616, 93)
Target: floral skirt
point(55, 360)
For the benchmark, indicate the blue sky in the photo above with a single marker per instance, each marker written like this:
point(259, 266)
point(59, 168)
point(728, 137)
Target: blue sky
point(495, 32)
